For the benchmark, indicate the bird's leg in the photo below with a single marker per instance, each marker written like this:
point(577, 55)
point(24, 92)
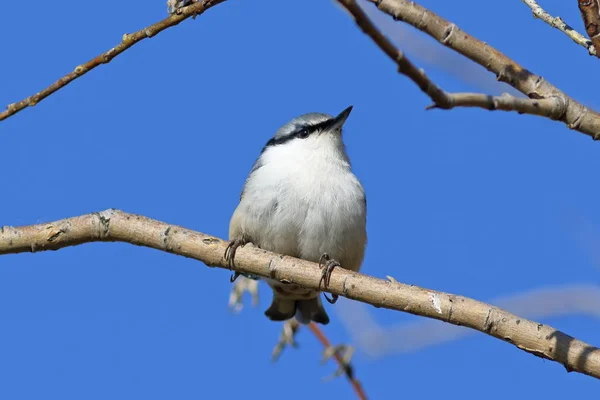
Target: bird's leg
point(327, 264)
point(230, 256)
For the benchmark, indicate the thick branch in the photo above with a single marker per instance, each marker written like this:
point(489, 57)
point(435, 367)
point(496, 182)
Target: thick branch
point(576, 115)
point(551, 108)
point(590, 12)
point(117, 226)
point(558, 23)
point(128, 41)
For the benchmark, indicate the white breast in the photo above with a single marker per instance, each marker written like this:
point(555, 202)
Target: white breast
point(305, 201)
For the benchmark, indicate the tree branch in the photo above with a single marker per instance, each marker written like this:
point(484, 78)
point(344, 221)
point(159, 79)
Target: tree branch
point(117, 226)
point(551, 108)
point(558, 23)
point(576, 116)
point(128, 41)
point(378, 340)
point(590, 13)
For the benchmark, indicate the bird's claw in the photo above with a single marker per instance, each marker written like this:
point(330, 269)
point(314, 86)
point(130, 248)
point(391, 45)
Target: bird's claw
point(327, 264)
point(331, 300)
point(233, 277)
point(230, 256)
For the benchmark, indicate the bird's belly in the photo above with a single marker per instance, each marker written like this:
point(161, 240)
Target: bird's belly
point(311, 214)
point(308, 229)
point(339, 232)
point(333, 221)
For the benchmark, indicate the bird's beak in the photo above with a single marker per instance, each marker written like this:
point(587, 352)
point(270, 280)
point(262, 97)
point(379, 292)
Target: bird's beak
point(337, 122)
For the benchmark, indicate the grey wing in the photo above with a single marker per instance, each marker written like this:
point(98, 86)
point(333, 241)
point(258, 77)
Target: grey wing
point(257, 165)
point(261, 219)
point(254, 214)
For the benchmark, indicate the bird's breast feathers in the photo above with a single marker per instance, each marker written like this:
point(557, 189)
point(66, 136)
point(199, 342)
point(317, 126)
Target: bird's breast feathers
point(304, 207)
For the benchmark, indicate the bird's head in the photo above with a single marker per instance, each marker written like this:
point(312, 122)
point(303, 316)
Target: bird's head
point(308, 132)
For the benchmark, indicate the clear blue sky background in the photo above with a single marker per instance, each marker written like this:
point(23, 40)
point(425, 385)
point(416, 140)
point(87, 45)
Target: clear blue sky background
point(468, 201)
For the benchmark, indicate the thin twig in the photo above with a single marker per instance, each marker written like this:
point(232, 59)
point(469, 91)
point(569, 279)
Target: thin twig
point(590, 13)
point(116, 226)
point(552, 107)
point(128, 41)
point(405, 66)
point(344, 364)
point(558, 23)
point(576, 116)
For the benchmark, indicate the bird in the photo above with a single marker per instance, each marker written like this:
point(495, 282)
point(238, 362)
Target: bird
point(301, 199)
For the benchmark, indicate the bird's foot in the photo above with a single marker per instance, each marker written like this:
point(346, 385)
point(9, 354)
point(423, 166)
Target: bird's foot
point(327, 264)
point(230, 256)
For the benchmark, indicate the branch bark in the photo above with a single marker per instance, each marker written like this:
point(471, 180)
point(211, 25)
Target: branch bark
point(558, 23)
point(117, 226)
point(590, 13)
point(128, 41)
point(576, 116)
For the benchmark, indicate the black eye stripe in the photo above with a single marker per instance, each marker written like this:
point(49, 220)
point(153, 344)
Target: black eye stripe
point(301, 132)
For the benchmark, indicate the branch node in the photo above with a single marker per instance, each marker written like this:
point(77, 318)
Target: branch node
point(166, 245)
point(448, 32)
point(54, 233)
point(421, 22)
point(451, 310)
point(273, 267)
point(435, 302)
point(104, 220)
point(490, 322)
point(344, 288)
point(577, 121)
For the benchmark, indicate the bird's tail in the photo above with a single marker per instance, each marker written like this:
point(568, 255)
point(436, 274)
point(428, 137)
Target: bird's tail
point(282, 309)
point(311, 310)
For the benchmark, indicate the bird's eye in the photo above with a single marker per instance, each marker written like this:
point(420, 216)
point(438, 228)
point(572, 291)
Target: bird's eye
point(303, 134)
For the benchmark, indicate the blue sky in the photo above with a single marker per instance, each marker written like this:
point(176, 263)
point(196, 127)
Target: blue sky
point(483, 204)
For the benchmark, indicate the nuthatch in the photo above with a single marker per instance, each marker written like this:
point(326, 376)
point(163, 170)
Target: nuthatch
point(301, 199)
